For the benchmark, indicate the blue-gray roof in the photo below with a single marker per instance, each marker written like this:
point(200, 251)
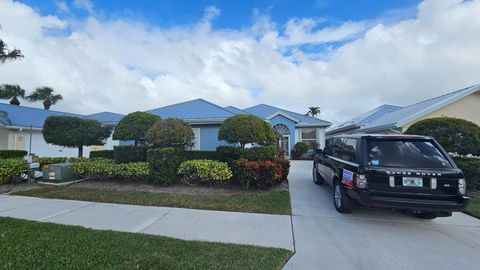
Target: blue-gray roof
point(265, 111)
point(415, 111)
point(235, 110)
point(364, 119)
point(21, 116)
point(107, 118)
point(197, 109)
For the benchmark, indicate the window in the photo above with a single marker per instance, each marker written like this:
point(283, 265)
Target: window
point(328, 147)
point(337, 147)
point(348, 150)
point(309, 136)
point(405, 154)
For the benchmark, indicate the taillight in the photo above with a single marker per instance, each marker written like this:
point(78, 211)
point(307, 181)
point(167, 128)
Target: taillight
point(361, 181)
point(462, 186)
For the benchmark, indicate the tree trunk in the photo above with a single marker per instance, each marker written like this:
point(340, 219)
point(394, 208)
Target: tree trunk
point(46, 104)
point(15, 101)
point(80, 151)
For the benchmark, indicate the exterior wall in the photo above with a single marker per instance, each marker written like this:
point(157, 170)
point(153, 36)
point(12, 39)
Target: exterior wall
point(3, 138)
point(467, 108)
point(279, 119)
point(319, 134)
point(209, 137)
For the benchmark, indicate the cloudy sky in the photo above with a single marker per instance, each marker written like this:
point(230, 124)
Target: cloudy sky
point(345, 57)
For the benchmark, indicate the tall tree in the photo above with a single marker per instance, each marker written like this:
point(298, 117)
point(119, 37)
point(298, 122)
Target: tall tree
point(46, 95)
point(6, 54)
point(313, 111)
point(12, 92)
point(69, 131)
point(133, 126)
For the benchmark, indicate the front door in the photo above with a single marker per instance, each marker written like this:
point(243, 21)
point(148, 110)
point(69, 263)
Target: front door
point(284, 144)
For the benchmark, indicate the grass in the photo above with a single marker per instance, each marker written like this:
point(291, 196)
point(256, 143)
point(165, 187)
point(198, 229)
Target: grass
point(473, 207)
point(35, 245)
point(272, 202)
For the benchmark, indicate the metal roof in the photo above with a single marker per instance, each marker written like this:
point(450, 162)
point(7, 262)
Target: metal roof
point(415, 111)
point(107, 118)
point(266, 111)
point(197, 109)
point(364, 118)
point(235, 110)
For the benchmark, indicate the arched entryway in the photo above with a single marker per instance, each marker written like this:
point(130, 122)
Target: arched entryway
point(283, 138)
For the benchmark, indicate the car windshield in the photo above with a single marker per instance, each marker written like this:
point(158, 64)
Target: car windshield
point(405, 153)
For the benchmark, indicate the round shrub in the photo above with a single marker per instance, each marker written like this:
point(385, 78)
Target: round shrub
point(244, 129)
point(204, 171)
point(106, 168)
point(299, 149)
point(455, 135)
point(171, 132)
point(11, 170)
point(134, 126)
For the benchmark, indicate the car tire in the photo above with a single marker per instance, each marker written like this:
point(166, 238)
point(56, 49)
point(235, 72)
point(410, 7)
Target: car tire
point(426, 215)
point(342, 202)
point(317, 178)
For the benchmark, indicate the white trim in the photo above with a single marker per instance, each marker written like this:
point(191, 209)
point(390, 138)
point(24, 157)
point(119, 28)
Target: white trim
point(344, 161)
point(284, 115)
point(197, 134)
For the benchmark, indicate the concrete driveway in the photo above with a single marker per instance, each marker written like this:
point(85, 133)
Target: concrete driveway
point(374, 238)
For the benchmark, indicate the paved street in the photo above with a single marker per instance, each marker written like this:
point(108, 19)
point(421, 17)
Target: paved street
point(374, 238)
point(188, 224)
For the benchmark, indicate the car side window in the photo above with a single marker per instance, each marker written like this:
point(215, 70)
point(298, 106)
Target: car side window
point(328, 147)
point(337, 147)
point(349, 150)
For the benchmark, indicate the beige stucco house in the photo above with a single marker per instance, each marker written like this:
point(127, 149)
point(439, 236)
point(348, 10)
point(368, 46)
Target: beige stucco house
point(464, 104)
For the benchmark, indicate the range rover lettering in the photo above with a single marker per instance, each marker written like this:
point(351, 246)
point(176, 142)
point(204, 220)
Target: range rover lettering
point(407, 172)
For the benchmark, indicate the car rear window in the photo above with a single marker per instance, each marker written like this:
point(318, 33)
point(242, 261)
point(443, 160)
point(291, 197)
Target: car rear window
point(405, 153)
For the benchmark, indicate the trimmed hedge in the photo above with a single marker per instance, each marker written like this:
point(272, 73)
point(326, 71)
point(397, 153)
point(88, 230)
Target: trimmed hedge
point(471, 170)
point(204, 171)
point(200, 154)
point(108, 154)
point(51, 160)
point(130, 153)
point(11, 170)
point(13, 153)
point(164, 163)
point(229, 153)
point(106, 168)
point(264, 173)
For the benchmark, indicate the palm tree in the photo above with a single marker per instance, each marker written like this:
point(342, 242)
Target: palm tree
point(313, 111)
point(6, 54)
point(45, 94)
point(12, 92)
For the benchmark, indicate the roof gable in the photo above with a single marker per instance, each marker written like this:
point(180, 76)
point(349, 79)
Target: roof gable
point(196, 109)
point(264, 111)
point(408, 114)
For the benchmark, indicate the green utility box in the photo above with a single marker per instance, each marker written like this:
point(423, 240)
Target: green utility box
point(59, 173)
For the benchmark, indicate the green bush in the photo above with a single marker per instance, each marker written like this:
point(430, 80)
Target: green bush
point(164, 163)
point(455, 135)
point(263, 173)
point(11, 170)
point(171, 132)
point(204, 171)
point(106, 168)
point(200, 154)
point(229, 153)
point(108, 154)
point(285, 164)
point(244, 129)
point(12, 153)
point(45, 161)
point(133, 126)
point(130, 153)
point(299, 149)
point(471, 170)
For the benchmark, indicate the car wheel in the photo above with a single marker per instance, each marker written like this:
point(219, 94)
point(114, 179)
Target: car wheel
point(317, 178)
point(426, 215)
point(342, 202)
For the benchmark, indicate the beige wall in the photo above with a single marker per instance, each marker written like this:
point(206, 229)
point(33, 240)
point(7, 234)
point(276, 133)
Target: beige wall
point(466, 108)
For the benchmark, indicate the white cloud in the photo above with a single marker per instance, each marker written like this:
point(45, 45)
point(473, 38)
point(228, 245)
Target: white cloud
point(83, 4)
point(123, 65)
point(62, 7)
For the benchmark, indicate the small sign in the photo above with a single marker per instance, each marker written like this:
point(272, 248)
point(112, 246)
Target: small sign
point(347, 177)
point(34, 165)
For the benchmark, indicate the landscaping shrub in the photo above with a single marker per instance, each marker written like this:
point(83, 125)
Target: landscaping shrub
point(299, 149)
point(130, 153)
point(204, 171)
point(285, 164)
point(229, 153)
point(164, 163)
point(455, 135)
point(244, 129)
point(11, 170)
point(106, 168)
point(12, 153)
point(108, 154)
point(200, 154)
point(133, 126)
point(471, 170)
point(171, 132)
point(263, 173)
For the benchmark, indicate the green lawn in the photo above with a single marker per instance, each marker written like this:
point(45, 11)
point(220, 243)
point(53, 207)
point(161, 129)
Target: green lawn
point(473, 207)
point(270, 202)
point(34, 245)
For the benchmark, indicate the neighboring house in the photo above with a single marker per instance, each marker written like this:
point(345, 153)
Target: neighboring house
point(464, 104)
point(19, 123)
point(204, 117)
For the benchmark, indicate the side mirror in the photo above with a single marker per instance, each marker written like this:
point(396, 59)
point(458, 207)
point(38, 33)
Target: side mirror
point(318, 151)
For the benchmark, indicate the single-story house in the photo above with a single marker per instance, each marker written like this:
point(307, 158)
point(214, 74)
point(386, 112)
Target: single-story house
point(18, 122)
point(463, 104)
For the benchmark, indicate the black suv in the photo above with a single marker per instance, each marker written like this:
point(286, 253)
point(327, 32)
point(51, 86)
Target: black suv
point(407, 172)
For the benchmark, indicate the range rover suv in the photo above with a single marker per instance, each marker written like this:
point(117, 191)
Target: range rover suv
point(407, 172)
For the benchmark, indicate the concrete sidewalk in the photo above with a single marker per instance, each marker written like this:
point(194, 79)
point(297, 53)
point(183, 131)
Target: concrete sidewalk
point(189, 224)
